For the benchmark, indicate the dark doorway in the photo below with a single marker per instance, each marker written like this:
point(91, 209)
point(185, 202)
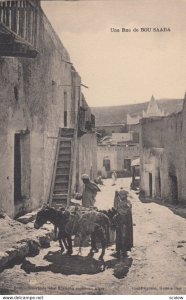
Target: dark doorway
point(17, 168)
point(127, 164)
point(65, 118)
point(65, 110)
point(150, 184)
point(173, 188)
point(158, 184)
point(106, 164)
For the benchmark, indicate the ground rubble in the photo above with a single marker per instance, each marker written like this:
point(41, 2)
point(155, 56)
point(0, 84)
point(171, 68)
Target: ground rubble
point(21, 240)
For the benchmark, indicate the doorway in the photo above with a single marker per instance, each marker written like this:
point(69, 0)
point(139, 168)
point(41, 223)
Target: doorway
point(150, 184)
point(174, 188)
point(106, 164)
point(158, 184)
point(17, 167)
point(127, 164)
point(65, 110)
point(22, 167)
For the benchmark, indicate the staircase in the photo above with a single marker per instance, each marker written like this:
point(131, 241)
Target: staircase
point(61, 182)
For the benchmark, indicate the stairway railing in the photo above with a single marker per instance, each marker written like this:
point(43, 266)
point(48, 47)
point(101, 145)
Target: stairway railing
point(53, 174)
point(71, 170)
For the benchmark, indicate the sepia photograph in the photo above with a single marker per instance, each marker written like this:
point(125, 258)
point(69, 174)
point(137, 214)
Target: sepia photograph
point(92, 148)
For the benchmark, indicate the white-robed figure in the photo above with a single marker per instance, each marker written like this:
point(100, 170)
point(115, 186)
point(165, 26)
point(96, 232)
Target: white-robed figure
point(114, 178)
point(89, 192)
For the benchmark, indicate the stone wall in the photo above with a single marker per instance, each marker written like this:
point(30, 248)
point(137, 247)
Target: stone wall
point(32, 102)
point(87, 161)
point(163, 156)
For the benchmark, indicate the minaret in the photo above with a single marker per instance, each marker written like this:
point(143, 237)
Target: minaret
point(152, 109)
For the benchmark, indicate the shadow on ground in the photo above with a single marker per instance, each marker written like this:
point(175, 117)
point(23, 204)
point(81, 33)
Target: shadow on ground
point(78, 265)
point(178, 209)
point(4, 291)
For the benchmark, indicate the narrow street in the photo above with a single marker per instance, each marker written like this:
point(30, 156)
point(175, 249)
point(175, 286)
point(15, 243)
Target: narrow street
point(156, 264)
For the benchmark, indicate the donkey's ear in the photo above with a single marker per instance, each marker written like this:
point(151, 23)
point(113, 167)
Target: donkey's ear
point(67, 213)
point(45, 205)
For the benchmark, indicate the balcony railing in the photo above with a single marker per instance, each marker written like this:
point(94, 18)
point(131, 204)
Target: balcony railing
point(19, 21)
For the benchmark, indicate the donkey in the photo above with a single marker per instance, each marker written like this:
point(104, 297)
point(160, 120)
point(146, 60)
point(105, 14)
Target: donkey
point(92, 223)
point(59, 219)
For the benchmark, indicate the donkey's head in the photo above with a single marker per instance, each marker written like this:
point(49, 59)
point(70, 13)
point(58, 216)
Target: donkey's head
point(57, 217)
point(42, 217)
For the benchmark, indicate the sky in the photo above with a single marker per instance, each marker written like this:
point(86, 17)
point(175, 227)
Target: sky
point(124, 67)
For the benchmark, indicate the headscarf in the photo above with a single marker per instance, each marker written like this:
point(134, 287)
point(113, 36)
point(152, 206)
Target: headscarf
point(85, 176)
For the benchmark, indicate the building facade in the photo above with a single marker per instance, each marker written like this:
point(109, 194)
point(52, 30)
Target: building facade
point(116, 158)
point(132, 120)
point(163, 157)
point(38, 97)
point(108, 129)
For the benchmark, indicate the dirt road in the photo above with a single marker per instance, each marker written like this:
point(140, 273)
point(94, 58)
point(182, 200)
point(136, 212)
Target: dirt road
point(156, 265)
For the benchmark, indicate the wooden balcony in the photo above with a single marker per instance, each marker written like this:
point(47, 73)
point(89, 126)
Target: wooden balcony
point(19, 22)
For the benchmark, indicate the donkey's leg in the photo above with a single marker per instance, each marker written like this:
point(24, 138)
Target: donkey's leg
point(93, 242)
point(107, 230)
point(80, 246)
point(65, 241)
point(60, 238)
point(101, 237)
point(82, 238)
point(69, 240)
point(55, 233)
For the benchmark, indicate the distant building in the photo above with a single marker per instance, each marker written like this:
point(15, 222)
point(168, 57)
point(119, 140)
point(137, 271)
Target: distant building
point(116, 153)
point(108, 129)
point(163, 157)
point(117, 149)
point(153, 110)
point(116, 158)
point(132, 120)
point(121, 137)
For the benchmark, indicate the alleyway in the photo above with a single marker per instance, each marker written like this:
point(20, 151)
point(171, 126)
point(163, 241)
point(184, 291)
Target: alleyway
point(155, 266)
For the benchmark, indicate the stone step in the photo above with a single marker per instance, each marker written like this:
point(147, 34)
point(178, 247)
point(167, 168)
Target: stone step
point(62, 184)
point(59, 196)
point(63, 164)
point(67, 132)
point(62, 171)
point(64, 156)
point(64, 150)
point(62, 177)
point(61, 190)
point(62, 180)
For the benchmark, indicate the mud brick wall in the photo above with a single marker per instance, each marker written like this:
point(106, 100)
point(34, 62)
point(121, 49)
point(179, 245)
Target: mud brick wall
point(163, 154)
point(32, 104)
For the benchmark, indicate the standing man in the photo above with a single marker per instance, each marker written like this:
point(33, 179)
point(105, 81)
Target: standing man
point(90, 191)
point(123, 223)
